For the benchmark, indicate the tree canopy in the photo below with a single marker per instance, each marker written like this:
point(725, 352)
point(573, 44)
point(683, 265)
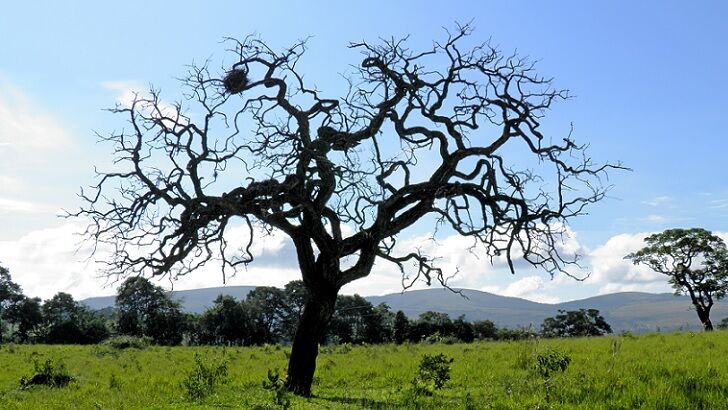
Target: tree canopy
point(575, 323)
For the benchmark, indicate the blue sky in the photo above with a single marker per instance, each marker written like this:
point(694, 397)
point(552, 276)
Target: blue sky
point(649, 81)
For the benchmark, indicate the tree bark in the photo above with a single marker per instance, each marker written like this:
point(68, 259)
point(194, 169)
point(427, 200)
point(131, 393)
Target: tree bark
point(316, 316)
point(704, 316)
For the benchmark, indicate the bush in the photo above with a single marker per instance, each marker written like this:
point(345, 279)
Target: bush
point(277, 385)
point(47, 373)
point(203, 378)
point(549, 363)
point(433, 373)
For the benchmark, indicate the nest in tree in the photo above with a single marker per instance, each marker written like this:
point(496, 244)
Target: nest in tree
point(235, 81)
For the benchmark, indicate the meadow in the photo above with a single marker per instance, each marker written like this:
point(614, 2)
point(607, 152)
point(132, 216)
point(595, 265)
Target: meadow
point(665, 371)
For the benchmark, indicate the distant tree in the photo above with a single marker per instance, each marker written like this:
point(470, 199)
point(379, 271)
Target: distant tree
point(378, 324)
point(430, 323)
point(296, 296)
point(348, 325)
point(440, 135)
point(226, 322)
point(266, 307)
point(145, 309)
point(10, 294)
point(576, 323)
point(695, 262)
point(485, 329)
point(401, 327)
point(65, 321)
point(27, 317)
point(463, 330)
point(723, 324)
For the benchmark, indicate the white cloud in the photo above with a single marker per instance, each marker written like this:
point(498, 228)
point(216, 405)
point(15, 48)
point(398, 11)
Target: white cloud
point(8, 205)
point(25, 128)
point(47, 261)
point(534, 288)
point(611, 271)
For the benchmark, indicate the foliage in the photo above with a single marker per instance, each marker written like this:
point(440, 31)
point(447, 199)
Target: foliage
point(67, 321)
point(146, 310)
point(723, 324)
point(696, 263)
point(277, 385)
point(47, 373)
point(10, 294)
point(548, 364)
point(432, 374)
point(203, 378)
point(575, 323)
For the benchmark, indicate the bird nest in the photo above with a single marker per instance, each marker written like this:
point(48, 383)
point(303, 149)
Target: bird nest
point(235, 81)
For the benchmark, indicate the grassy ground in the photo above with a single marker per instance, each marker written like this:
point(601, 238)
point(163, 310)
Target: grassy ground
point(665, 371)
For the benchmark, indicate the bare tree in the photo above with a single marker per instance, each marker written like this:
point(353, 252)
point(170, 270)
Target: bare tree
point(419, 133)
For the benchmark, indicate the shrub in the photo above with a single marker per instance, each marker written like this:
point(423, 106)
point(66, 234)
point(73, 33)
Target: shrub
point(202, 380)
point(277, 385)
point(549, 363)
point(433, 373)
point(47, 373)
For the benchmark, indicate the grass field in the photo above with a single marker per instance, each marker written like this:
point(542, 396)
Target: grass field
point(664, 371)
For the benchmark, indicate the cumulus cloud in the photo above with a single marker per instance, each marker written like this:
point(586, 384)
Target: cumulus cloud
point(47, 261)
point(8, 205)
point(535, 288)
point(53, 260)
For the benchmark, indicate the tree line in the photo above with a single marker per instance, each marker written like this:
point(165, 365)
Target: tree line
point(266, 315)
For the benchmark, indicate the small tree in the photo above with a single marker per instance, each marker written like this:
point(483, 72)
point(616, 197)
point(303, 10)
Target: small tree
point(694, 260)
point(575, 323)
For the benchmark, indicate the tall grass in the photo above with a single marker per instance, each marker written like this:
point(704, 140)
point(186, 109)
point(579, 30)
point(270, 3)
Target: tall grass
point(680, 371)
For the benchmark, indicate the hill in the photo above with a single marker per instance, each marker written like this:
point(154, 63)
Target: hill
point(633, 311)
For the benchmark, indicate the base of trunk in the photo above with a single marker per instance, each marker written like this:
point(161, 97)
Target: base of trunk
point(315, 318)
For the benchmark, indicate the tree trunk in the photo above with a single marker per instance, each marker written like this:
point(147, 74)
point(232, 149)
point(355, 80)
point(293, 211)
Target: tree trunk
point(704, 316)
point(316, 316)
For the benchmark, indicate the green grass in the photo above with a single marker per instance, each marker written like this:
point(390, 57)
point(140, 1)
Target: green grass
point(666, 371)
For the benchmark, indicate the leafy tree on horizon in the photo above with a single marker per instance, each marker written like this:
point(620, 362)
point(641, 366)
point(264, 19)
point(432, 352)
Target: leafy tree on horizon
point(145, 309)
point(575, 323)
point(420, 135)
point(10, 294)
point(695, 262)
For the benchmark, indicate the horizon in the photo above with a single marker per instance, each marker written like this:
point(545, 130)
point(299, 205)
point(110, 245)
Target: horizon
point(625, 63)
point(417, 290)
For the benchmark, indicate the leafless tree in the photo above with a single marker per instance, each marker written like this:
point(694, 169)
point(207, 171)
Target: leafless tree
point(451, 135)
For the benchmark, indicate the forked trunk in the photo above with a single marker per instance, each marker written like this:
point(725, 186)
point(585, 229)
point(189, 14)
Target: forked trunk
point(316, 316)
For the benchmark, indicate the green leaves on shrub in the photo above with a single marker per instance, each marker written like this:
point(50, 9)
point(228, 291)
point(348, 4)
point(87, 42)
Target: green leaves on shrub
point(547, 364)
point(202, 380)
point(277, 384)
point(433, 373)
